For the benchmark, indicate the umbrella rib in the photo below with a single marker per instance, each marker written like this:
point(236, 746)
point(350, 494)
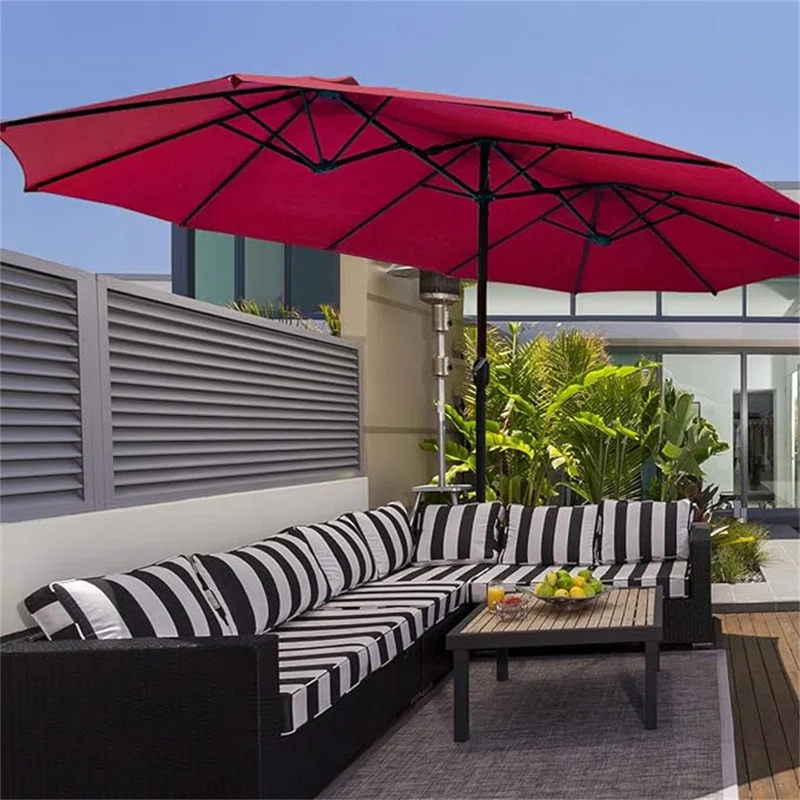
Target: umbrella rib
point(255, 140)
point(587, 244)
point(616, 238)
point(566, 228)
point(263, 125)
point(515, 232)
point(666, 242)
point(141, 147)
point(307, 108)
point(200, 206)
point(446, 191)
point(640, 215)
point(361, 128)
point(56, 116)
point(719, 225)
point(389, 148)
point(524, 169)
point(402, 196)
point(407, 146)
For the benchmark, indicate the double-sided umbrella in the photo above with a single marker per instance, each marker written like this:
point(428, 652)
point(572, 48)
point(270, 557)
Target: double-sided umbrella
point(466, 187)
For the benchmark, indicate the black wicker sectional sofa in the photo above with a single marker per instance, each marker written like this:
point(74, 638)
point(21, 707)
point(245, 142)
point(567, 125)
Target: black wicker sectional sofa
point(261, 672)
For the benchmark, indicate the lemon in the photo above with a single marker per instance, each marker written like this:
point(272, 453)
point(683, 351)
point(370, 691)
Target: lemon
point(577, 591)
point(579, 580)
point(552, 578)
point(561, 593)
point(537, 589)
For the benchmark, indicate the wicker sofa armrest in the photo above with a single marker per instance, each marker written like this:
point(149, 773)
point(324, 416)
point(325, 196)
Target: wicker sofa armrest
point(138, 717)
point(700, 560)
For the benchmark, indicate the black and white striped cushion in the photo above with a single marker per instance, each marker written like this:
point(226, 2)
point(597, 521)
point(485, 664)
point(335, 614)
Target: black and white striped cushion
point(644, 531)
point(324, 653)
point(435, 599)
point(341, 551)
point(263, 584)
point(672, 576)
point(549, 535)
point(50, 615)
point(460, 574)
point(388, 534)
point(161, 600)
point(466, 532)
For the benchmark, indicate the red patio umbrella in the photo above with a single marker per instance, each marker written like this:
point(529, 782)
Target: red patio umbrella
point(466, 187)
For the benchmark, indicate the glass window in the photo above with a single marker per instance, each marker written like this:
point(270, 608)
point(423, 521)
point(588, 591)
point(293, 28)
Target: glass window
point(715, 381)
point(263, 271)
point(779, 297)
point(314, 279)
point(773, 450)
point(616, 304)
point(702, 304)
point(508, 301)
point(214, 271)
point(628, 358)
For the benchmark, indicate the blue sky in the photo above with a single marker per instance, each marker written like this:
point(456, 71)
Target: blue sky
point(717, 78)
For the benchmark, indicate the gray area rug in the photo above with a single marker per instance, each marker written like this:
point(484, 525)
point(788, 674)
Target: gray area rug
point(561, 727)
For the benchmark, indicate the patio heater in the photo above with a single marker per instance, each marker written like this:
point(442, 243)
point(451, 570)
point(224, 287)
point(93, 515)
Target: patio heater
point(440, 292)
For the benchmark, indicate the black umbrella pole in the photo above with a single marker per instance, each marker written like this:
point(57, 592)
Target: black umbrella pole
point(480, 370)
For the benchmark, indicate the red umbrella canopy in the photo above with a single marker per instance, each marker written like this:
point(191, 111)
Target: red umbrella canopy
point(400, 176)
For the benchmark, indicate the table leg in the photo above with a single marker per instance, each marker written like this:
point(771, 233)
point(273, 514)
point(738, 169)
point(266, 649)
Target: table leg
point(651, 658)
point(460, 695)
point(502, 665)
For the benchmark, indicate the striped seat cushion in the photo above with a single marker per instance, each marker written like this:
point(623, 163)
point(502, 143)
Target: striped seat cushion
point(341, 551)
point(672, 576)
point(51, 617)
point(548, 535)
point(324, 653)
point(388, 534)
point(261, 585)
point(512, 576)
point(447, 573)
point(644, 531)
point(468, 532)
point(163, 600)
point(434, 599)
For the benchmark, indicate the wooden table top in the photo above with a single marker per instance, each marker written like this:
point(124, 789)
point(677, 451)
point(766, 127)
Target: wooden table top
point(614, 608)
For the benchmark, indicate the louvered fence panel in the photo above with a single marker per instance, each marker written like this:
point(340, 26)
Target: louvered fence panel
point(205, 400)
point(42, 436)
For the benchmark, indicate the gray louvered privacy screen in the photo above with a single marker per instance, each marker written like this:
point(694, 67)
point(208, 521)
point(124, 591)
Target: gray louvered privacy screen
point(201, 402)
point(41, 426)
point(114, 394)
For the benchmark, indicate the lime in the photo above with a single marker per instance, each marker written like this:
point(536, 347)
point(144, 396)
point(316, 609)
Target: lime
point(545, 590)
point(552, 578)
point(596, 585)
point(585, 574)
point(564, 582)
point(589, 591)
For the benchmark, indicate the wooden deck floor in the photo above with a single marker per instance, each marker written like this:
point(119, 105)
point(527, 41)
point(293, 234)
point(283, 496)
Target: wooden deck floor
point(764, 671)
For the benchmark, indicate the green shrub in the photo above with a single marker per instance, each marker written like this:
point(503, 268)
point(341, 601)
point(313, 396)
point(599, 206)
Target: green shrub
point(737, 550)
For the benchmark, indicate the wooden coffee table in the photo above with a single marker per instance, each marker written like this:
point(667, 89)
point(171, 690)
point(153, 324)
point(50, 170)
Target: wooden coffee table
point(617, 616)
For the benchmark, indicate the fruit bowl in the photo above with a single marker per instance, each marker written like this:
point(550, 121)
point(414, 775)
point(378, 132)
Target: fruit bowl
point(570, 591)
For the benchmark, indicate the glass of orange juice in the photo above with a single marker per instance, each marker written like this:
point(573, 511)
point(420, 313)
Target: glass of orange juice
point(495, 592)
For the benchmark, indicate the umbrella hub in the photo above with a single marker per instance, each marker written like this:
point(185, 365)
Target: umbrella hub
point(600, 239)
point(324, 166)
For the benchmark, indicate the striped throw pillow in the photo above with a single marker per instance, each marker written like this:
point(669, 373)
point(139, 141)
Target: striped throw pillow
point(644, 531)
point(388, 534)
point(547, 535)
point(265, 583)
point(466, 532)
point(341, 551)
point(162, 600)
point(50, 615)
